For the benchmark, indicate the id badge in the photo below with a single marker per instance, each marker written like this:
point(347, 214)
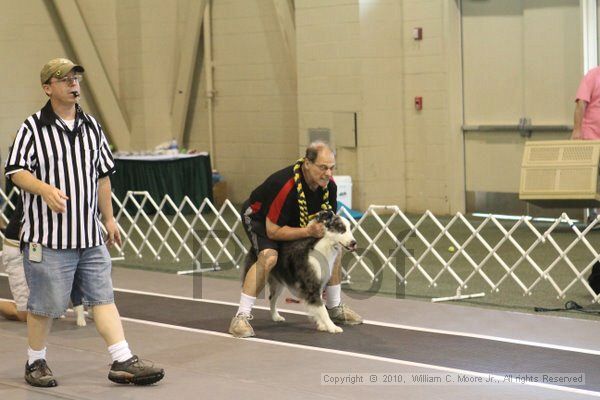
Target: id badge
point(35, 252)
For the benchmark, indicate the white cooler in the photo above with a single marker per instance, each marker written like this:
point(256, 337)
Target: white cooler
point(344, 189)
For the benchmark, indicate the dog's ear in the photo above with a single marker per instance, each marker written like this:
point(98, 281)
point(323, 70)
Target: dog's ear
point(325, 216)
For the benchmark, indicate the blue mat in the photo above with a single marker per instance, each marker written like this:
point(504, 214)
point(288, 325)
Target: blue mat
point(355, 214)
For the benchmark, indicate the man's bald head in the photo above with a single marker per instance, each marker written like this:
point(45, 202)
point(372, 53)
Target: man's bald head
point(315, 148)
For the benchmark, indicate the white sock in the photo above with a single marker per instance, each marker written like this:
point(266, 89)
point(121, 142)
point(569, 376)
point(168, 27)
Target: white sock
point(120, 351)
point(334, 296)
point(246, 304)
point(35, 355)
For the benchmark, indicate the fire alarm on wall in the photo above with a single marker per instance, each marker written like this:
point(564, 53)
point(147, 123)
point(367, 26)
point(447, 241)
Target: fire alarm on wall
point(418, 33)
point(418, 103)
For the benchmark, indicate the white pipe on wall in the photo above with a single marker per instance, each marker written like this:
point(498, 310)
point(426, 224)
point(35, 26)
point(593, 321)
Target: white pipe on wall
point(589, 13)
point(208, 64)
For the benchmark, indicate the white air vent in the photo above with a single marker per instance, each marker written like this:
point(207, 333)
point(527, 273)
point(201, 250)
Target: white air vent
point(560, 170)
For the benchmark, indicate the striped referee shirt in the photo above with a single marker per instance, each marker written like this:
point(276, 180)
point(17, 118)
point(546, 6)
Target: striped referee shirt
point(70, 160)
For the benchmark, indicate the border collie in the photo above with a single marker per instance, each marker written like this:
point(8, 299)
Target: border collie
point(304, 266)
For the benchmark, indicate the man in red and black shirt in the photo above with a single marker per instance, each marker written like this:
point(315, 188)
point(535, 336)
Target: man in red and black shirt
point(278, 210)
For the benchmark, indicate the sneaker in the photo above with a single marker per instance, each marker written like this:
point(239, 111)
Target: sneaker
point(39, 374)
point(135, 371)
point(344, 315)
point(240, 327)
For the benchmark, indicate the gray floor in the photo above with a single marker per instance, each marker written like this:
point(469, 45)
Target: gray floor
point(201, 362)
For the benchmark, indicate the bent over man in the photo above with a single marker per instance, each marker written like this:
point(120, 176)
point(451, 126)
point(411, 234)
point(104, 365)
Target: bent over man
point(279, 210)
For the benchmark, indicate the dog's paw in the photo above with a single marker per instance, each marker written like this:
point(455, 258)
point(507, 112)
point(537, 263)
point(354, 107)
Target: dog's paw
point(79, 315)
point(331, 329)
point(277, 318)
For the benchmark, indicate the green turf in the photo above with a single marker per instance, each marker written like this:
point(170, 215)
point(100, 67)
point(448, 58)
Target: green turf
point(509, 293)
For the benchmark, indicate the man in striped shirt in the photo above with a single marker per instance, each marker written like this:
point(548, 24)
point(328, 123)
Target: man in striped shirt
point(279, 210)
point(61, 160)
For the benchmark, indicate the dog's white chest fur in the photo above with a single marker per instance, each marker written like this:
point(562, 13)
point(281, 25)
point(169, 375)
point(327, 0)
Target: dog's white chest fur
point(322, 259)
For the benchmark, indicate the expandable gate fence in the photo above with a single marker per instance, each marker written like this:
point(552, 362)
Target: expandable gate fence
point(427, 249)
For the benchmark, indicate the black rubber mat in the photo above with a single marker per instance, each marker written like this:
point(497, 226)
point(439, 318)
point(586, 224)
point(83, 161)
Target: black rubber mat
point(472, 354)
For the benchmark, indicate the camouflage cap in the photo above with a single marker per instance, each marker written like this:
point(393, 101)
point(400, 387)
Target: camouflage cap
point(58, 67)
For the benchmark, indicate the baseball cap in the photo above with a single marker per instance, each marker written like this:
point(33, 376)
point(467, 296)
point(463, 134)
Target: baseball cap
point(58, 67)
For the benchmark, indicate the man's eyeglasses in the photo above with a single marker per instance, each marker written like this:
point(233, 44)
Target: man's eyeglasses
point(70, 79)
point(324, 168)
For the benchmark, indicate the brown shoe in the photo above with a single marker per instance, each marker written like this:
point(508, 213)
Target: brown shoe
point(39, 374)
point(240, 327)
point(135, 371)
point(344, 315)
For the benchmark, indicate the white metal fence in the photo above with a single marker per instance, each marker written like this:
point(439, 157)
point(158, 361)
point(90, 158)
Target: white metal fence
point(441, 261)
point(482, 256)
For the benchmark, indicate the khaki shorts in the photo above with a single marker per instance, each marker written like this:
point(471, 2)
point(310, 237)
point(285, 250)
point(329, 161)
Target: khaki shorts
point(13, 263)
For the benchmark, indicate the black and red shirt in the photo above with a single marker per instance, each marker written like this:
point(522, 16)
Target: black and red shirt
point(277, 199)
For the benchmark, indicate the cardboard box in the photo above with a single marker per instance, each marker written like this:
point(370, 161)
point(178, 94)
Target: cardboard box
point(219, 193)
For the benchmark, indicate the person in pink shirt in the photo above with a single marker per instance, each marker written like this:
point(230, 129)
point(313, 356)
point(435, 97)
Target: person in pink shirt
point(586, 124)
point(587, 107)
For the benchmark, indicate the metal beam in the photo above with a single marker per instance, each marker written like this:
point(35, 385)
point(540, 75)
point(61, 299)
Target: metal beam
point(285, 17)
point(187, 66)
point(112, 113)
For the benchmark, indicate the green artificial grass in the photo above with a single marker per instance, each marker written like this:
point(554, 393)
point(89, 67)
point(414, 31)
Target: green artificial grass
point(509, 293)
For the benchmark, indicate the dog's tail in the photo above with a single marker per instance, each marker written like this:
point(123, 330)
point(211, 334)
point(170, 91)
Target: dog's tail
point(251, 258)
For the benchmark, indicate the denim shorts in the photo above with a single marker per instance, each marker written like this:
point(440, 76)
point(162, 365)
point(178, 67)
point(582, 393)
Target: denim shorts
point(86, 272)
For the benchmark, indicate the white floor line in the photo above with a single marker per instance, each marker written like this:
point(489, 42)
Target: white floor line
point(390, 325)
point(384, 324)
point(366, 356)
point(345, 353)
